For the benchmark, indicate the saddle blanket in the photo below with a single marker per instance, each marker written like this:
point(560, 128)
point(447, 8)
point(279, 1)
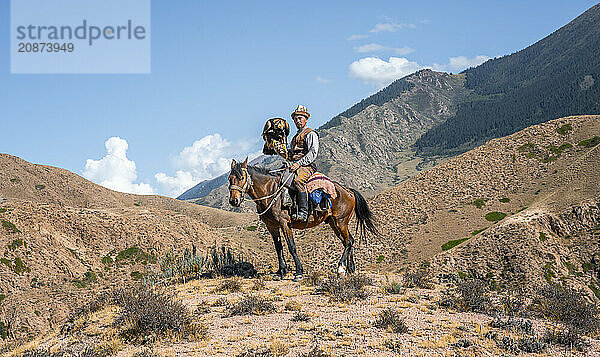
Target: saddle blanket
point(320, 181)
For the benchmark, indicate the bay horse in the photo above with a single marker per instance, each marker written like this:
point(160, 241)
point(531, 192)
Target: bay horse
point(264, 189)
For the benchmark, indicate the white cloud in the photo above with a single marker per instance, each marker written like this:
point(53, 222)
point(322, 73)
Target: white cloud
point(115, 170)
point(390, 27)
point(322, 80)
point(460, 63)
point(204, 159)
point(375, 47)
point(380, 72)
point(357, 37)
point(174, 186)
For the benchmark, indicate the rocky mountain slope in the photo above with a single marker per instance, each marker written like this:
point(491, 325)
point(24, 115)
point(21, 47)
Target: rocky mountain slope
point(64, 238)
point(555, 77)
point(544, 171)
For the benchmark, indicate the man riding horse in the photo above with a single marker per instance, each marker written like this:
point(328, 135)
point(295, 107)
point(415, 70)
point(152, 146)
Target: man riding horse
point(266, 189)
point(302, 151)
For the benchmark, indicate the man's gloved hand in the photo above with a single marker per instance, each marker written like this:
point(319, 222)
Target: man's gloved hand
point(295, 166)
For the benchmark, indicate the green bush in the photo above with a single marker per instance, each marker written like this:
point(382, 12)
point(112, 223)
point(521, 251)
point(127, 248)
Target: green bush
point(479, 203)
point(590, 142)
point(15, 180)
point(564, 129)
point(495, 216)
point(525, 147)
point(543, 236)
point(453, 243)
point(3, 210)
point(16, 244)
point(10, 227)
point(504, 200)
point(476, 232)
point(88, 278)
point(40, 187)
point(20, 267)
point(251, 228)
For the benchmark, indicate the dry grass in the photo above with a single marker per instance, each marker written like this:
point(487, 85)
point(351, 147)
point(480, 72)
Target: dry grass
point(390, 320)
point(231, 285)
point(345, 289)
point(252, 305)
point(293, 306)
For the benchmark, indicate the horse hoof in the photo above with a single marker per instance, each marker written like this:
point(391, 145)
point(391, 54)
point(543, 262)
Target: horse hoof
point(298, 277)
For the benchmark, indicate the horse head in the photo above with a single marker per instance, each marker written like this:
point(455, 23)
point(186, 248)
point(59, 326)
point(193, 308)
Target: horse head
point(239, 182)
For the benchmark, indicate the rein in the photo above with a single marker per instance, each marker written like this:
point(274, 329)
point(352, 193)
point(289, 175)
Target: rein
point(244, 190)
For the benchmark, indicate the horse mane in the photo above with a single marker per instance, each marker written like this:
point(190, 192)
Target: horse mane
point(237, 170)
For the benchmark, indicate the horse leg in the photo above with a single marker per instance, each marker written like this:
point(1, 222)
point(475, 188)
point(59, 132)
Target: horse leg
point(351, 266)
point(279, 248)
point(339, 232)
point(289, 237)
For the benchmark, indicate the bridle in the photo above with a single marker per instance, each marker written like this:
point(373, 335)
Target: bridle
point(248, 183)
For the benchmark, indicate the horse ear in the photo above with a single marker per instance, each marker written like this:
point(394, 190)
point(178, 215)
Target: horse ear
point(232, 164)
point(245, 163)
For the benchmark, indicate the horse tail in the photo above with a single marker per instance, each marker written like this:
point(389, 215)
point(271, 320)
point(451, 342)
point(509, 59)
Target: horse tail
point(364, 216)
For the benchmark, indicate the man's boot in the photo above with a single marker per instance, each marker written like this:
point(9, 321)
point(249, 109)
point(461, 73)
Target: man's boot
point(302, 200)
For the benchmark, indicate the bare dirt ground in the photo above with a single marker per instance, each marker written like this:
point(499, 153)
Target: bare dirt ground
point(332, 328)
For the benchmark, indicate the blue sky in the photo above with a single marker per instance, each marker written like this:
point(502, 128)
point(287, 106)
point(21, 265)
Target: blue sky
point(220, 69)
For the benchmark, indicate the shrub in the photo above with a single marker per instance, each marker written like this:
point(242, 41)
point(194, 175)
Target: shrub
point(222, 301)
point(525, 147)
point(393, 287)
point(10, 227)
point(515, 325)
point(231, 285)
point(568, 307)
point(15, 180)
point(315, 352)
point(3, 210)
point(564, 129)
point(293, 306)
point(252, 305)
point(590, 142)
point(476, 232)
point(314, 278)
point(504, 200)
point(473, 295)
point(40, 187)
point(16, 244)
point(345, 289)
point(146, 311)
point(20, 267)
point(543, 236)
point(531, 345)
point(300, 316)
point(258, 284)
point(251, 228)
point(495, 216)
point(453, 243)
point(419, 278)
point(390, 320)
point(565, 337)
point(479, 202)
point(88, 278)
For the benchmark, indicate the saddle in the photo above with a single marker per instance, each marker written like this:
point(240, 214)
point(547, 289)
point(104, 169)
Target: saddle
point(321, 191)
